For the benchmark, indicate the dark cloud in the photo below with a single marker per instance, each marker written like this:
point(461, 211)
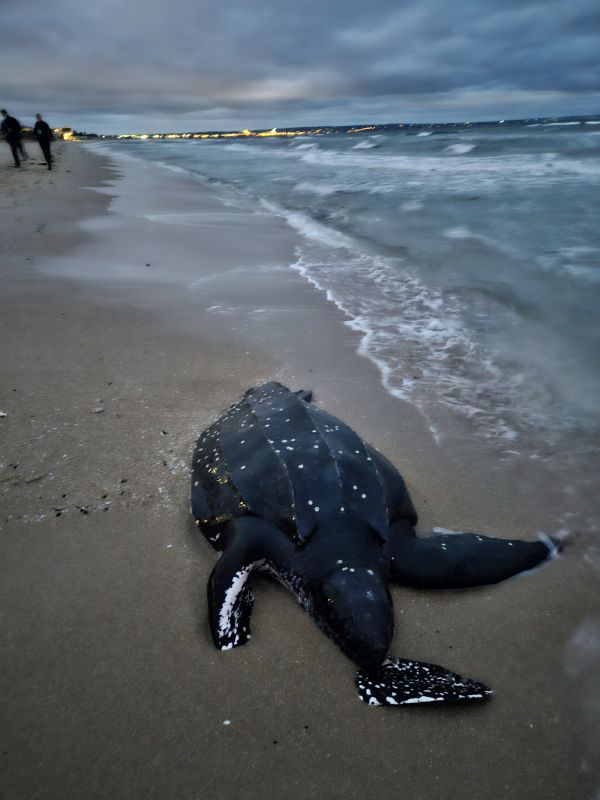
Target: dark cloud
point(186, 64)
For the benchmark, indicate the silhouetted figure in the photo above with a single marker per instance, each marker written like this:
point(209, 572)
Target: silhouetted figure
point(44, 137)
point(21, 150)
point(11, 128)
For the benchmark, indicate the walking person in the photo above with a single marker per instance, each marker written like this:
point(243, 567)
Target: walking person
point(11, 128)
point(44, 137)
point(21, 149)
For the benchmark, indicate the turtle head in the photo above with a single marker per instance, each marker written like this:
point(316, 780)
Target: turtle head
point(350, 597)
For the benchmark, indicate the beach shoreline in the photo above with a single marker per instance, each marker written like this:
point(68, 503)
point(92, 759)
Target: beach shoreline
point(136, 311)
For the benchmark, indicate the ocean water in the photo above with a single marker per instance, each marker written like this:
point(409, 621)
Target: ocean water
point(468, 259)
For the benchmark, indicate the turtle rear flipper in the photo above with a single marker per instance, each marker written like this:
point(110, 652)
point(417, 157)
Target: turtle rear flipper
point(400, 682)
point(454, 560)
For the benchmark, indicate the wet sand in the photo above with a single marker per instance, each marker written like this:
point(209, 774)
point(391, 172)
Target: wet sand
point(132, 315)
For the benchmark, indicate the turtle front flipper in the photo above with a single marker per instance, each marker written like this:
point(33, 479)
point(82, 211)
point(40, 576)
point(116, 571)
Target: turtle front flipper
point(305, 394)
point(250, 542)
point(462, 560)
point(230, 602)
point(399, 682)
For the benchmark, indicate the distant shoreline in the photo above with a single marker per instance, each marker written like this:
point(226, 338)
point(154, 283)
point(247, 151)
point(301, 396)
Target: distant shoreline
point(321, 130)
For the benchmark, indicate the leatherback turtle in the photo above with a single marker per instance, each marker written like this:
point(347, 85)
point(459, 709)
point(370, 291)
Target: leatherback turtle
point(280, 485)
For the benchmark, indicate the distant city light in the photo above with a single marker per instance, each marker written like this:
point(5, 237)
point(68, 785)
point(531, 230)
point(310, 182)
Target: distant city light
point(228, 134)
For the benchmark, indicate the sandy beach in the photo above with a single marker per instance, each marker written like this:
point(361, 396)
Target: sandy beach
point(136, 305)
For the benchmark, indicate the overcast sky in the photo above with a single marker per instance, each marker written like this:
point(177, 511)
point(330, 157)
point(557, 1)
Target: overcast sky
point(145, 65)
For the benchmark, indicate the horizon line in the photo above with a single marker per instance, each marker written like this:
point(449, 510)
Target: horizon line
point(350, 128)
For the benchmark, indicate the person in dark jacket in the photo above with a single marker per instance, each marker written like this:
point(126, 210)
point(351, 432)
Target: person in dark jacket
point(11, 128)
point(44, 137)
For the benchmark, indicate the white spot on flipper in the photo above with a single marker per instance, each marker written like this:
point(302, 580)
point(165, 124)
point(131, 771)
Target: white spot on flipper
point(418, 700)
point(226, 722)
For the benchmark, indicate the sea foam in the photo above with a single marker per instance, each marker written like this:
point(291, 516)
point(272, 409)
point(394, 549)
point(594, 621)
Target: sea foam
point(459, 149)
